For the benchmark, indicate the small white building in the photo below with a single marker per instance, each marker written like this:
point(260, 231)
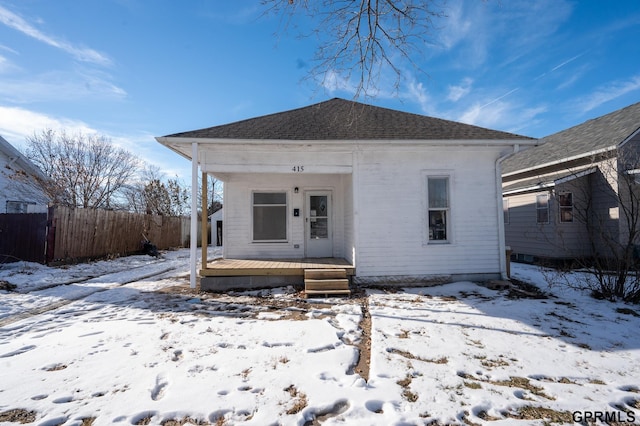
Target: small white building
point(398, 197)
point(20, 183)
point(217, 221)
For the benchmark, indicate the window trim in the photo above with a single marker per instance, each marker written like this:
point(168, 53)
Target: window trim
point(538, 209)
point(561, 207)
point(448, 210)
point(285, 205)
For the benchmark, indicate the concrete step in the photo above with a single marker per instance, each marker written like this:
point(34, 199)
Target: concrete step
point(319, 274)
point(326, 285)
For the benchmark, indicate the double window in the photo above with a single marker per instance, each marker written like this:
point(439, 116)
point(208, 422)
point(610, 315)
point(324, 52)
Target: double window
point(269, 216)
point(438, 208)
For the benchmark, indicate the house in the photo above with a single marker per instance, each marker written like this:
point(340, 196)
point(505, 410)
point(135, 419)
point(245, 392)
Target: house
point(562, 198)
point(392, 197)
point(216, 220)
point(20, 182)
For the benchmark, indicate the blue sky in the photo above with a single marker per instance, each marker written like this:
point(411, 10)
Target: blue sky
point(135, 69)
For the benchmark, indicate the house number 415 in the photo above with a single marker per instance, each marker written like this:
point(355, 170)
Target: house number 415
point(298, 169)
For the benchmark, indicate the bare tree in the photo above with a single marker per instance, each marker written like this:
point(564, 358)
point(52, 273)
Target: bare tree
point(359, 39)
point(214, 194)
point(84, 170)
point(606, 202)
point(153, 193)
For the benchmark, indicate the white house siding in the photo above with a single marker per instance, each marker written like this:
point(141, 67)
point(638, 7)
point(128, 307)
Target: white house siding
point(349, 231)
point(392, 212)
point(17, 185)
point(237, 221)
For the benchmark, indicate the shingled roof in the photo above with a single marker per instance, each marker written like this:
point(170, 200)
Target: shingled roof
point(339, 119)
point(599, 133)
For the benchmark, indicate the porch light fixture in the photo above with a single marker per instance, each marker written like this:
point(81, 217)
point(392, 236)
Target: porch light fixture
point(295, 189)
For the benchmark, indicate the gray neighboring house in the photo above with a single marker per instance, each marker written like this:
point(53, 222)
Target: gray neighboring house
point(546, 188)
point(20, 183)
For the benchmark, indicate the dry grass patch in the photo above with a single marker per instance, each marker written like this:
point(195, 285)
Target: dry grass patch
point(18, 415)
point(183, 421)
point(494, 363)
point(404, 334)
point(299, 400)
point(522, 383)
point(281, 360)
point(55, 367)
point(406, 391)
point(245, 373)
point(530, 412)
point(409, 355)
point(472, 385)
point(88, 421)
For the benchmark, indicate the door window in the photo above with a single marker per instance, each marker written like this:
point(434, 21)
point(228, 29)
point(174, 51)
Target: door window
point(318, 217)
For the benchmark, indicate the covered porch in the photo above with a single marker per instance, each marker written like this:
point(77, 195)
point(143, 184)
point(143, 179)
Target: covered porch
point(226, 274)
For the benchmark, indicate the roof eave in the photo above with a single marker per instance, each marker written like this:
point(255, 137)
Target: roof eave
point(560, 161)
point(167, 140)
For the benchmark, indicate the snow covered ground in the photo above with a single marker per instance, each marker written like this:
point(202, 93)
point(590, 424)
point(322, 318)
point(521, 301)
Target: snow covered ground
point(125, 342)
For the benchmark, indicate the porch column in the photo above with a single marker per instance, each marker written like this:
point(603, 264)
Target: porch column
point(194, 213)
point(205, 214)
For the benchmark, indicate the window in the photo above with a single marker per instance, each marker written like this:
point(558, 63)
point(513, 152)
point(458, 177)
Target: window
point(269, 216)
point(565, 201)
point(17, 206)
point(542, 208)
point(438, 200)
point(505, 210)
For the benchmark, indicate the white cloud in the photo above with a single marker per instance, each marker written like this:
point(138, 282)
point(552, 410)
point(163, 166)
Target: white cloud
point(459, 91)
point(83, 54)
point(333, 82)
point(8, 49)
point(502, 115)
point(60, 86)
point(6, 65)
point(609, 92)
point(457, 28)
point(17, 123)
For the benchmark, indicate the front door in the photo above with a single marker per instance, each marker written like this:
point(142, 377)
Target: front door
point(318, 231)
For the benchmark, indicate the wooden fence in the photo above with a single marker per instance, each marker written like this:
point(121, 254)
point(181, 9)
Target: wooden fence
point(90, 233)
point(68, 234)
point(23, 237)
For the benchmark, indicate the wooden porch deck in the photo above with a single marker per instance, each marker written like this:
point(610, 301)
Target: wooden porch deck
point(265, 267)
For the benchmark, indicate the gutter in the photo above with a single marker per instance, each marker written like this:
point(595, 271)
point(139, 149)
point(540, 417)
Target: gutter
point(502, 247)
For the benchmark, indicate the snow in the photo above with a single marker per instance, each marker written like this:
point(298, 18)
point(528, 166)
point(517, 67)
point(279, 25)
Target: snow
point(126, 342)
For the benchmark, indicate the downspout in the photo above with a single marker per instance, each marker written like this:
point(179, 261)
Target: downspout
point(194, 213)
point(502, 249)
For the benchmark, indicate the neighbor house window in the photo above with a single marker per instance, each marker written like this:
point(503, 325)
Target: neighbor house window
point(17, 206)
point(565, 201)
point(439, 205)
point(542, 208)
point(269, 216)
point(505, 210)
